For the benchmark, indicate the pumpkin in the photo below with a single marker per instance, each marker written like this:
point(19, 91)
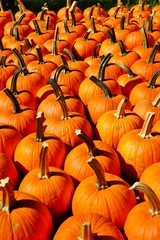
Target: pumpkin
point(150, 176)
point(6, 71)
point(97, 106)
point(144, 217)
point(38, 37)
point(49, 184)
point(87, 225)
point(30, 81)
point(124, 56)
point(110, 44)
point(39, 65)
point(22, 9)
point(16, 208)
point(51, 107)
point(128, 80)
point(28, 57)
point(64, 126)
point(19, 116)
point(69, 77)
point(84, 43)
point(104, 191)
point(132, 149)
point(147, 68)
point(31, 144)
point(24, 97)
point(113, 124)
point(88, 89)
point(145, 90)
point(76, 160)
point(142, 107)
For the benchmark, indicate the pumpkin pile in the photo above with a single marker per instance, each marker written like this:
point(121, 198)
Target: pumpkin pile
point(80, 123)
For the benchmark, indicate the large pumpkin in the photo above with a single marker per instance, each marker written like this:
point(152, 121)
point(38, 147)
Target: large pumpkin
point(105, 194)
point(16, 208)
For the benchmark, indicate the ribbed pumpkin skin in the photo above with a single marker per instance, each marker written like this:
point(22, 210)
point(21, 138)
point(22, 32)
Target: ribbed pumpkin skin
point(76, 161)
point(55, 192)
point(113, 202)
point(135, 158)
point(30, 217)
point(141, 225)
point(104, 229)
point(151, 177)
point(27, 153)
point(110, 129)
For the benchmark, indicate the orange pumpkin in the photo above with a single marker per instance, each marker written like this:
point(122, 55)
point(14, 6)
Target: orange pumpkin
point(49, 184)
point(76, 160)
point(17, 207)
point(144, 217)
point(87, 225)
point(104, 191)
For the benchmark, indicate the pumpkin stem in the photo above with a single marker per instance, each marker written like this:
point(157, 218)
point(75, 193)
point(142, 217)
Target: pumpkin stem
point(104, 87)
point(93, 27)
point(97, 168)
point(54, 78)
point(54, 48)
point(152, 82)
point(71, 55)
point(127, 69)
point(22, 5)
point(120, 112)
point(86, 35)
point(147, 125)
point(153, 53)
point(28, 44)
point(92, 150)
point(122, 47)
point(145, 39)
point(86, 233)
point(73, 19)
point(7, 201)
point(22, 52)
point(66, 28)
point(39, 127)
point(21, 61)
point(37, 28)
point(103, 66)
point(91, 12)
point(65, 113)
point(121, 27)
point(156, 101)
point(3, 61)
point(40, 55)
point(13, 87)
point(56, 33)
point(16, 105)
point(94, 53)
point(43, 172)
point(152, 197)
point(112, 36)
